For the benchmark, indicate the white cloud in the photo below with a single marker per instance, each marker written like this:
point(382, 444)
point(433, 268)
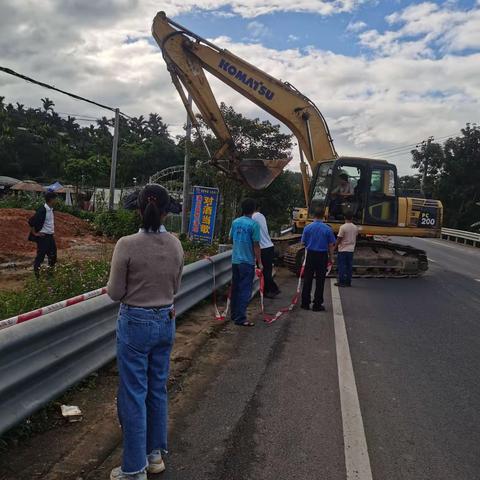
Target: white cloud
point(257, 29)
point(374, 103)
point(425, 28)
point(254, 8)
point(356, 26)
point(371, 103)
point(293, 38)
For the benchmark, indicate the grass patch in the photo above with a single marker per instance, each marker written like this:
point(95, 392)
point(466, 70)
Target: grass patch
point(68, 280)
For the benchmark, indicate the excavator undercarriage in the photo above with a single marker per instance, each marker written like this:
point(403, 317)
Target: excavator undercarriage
point(373, 258)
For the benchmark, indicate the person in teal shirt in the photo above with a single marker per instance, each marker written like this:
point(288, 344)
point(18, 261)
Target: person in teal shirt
point(245, 234)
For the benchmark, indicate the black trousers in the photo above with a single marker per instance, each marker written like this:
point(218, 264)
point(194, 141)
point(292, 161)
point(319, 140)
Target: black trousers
point(45, 246)
point(316, 265)
point(267, 261)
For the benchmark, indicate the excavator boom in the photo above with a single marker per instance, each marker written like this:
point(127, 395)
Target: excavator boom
point(188, 56)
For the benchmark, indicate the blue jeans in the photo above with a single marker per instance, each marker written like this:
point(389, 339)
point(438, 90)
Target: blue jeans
point(345, 267)
point(145, 338)
point(242, 285)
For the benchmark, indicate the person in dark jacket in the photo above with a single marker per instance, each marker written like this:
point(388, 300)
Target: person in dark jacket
point(42, 229)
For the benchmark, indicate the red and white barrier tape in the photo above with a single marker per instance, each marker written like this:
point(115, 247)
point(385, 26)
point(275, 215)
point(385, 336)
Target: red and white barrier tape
point(24, 317)
point(273, 318)
point(219, 316)
point(266, 317)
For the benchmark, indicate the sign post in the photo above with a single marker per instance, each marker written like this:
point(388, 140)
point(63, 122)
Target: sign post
point(203, 214)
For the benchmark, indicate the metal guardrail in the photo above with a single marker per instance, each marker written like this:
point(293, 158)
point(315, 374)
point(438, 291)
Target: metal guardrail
point(42, 358)
point(450, 233)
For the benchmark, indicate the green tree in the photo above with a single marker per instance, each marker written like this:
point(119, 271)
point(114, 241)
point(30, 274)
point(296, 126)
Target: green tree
point(428, 160)
point(279, 199)
point(253, 139)
point(410, 184)
point(90, 171)
point(37, 143)
point(459, 184)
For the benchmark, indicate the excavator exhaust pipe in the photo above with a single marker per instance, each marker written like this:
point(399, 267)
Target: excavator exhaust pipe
point(258, 173)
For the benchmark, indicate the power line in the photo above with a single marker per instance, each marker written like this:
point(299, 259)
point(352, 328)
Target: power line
point(51, 87)
point(406, 148)
point(392, 149)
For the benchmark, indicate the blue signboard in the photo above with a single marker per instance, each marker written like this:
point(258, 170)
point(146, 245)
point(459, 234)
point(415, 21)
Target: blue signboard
point(203, 214)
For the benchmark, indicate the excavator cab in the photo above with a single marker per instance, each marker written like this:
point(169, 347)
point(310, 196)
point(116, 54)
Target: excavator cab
point(367, 188)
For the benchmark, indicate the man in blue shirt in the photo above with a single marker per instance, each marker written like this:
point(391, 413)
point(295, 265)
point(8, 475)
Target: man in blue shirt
point(319, 241)
point(245, 234)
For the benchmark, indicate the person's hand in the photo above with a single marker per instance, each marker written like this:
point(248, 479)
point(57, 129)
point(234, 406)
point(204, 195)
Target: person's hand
point(260, 267)
point(39, 234)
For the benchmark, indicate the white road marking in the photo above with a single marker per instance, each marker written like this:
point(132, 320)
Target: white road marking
point(477, 279)
point(357, 461)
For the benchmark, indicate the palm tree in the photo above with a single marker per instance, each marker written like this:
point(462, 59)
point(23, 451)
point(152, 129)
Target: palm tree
point(155, 125)
point(137, 126)
point(47, 104)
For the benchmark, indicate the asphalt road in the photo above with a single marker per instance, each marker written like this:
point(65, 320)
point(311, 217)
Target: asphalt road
point(415, 346)
point(266, 403)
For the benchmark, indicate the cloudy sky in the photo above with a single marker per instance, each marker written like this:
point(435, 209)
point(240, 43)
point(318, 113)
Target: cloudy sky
point(386, 74)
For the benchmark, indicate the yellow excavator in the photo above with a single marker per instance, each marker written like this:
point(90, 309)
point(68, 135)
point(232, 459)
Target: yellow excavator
point(367, 187)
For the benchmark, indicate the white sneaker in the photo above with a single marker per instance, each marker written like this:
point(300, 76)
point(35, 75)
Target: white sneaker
point(117, 474)
point(155, 462)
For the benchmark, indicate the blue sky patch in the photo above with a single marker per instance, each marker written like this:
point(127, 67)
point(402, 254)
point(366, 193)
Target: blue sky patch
point(337, 33)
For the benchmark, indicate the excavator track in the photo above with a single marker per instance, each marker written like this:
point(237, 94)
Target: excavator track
point(373, 259)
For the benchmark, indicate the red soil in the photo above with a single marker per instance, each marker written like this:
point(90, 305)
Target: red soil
point(14, 231)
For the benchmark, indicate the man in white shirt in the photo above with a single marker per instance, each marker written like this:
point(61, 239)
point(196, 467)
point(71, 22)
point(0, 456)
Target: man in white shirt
point(267, 251)
point(42, 229)
point(346, 241)
point(344, 189)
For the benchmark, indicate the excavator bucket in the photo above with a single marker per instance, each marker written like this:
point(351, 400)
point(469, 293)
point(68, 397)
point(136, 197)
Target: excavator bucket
point(258, 173)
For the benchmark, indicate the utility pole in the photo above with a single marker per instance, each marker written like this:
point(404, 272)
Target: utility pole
point(186, 172)
point(113, 167)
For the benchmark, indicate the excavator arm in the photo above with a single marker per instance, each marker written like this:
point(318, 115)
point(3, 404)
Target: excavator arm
point(188, 56)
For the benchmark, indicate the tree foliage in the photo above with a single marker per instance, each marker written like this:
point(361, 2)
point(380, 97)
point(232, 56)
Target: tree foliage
point(41, 144)
point(44, 145)
point(453, 176)
point(253, 138)
point(459, 183)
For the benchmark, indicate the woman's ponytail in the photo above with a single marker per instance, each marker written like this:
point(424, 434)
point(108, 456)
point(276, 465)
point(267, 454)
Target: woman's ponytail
point(153, 203)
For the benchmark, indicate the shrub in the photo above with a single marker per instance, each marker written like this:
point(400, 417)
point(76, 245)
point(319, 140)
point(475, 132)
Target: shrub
point(69, 279)
point(26, 200)
point(197, 251)
point(118, 223)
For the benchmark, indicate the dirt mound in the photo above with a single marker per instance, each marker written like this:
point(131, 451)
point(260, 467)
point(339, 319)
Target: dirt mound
point(14, 231)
